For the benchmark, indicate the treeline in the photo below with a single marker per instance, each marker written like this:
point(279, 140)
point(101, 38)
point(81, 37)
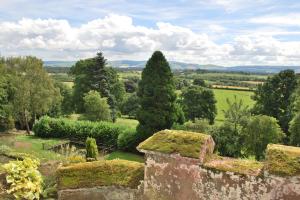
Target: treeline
point(27, 92)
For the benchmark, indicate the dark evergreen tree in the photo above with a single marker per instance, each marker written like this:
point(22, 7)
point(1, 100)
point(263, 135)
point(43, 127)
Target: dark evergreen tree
point(93, 74)
point(274, 98)
point(157, 97)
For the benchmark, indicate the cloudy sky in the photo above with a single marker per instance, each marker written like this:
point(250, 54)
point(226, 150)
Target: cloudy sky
point(223, 32)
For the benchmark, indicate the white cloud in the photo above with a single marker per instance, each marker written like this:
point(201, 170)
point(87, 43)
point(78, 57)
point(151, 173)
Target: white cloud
point(119, 38)
point(292, 19)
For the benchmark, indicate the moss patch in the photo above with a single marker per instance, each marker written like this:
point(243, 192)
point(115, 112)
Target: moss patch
point(101, 173)
point(240, 166)
point(187, 144)
point(283, 160)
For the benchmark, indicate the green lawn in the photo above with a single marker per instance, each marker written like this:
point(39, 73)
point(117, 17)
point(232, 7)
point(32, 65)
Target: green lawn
point(34, 146)
point(131, 123)
point(222, 95)
point(125, 156)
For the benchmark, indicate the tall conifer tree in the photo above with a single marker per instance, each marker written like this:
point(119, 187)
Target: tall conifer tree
point(157, 97)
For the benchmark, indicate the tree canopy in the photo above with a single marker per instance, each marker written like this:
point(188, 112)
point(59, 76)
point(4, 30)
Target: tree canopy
point(274, 98)
point(199, 102)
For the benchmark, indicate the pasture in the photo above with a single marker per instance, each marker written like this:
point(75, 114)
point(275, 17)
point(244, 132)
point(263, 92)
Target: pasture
point(221, 95)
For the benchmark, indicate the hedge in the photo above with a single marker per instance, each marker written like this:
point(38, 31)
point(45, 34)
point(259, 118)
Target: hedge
point(101, 173)
point(105, 133)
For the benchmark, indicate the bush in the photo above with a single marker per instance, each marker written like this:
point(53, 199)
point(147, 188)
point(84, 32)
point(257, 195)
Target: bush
point(105, 133)
point(24, 179)
point(128, 141)
point(91, 148)
point(199, 126)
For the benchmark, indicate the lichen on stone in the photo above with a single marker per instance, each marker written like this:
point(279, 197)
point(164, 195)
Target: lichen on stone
point(283, 160)
point(240, 166)
point(101, 173)
point(187, 144)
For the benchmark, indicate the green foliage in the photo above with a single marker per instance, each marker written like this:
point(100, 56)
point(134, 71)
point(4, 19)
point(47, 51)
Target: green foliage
point(6, 113)
point(105, 133)
point(101, 173)
point(259, 132)
point(199, 126)
point(128, 140)
point(157, 97)
point(199, 102)
point(93, 74)
point(295, 130)
point(131, 106)
point(187, 144)
point(32, 90)
point(66, 92)
point(24, 179)
point(237, 112)
point(96, 108)
point(273, 98)
point(228, 139)
point(91, 148)
point(199, 82)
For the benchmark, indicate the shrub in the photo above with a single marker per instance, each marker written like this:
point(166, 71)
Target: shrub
point(199, 126)
point(91, 148)
point(24, 179)
point(128, 140)
point(105, 133)
point(96, 108)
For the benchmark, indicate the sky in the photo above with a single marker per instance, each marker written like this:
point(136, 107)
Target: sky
point(220, 32)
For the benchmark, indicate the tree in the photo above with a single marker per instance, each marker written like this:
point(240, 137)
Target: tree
point(273, 98)
point(33, 91)
point(228, 137)
point(295, 130)
point(6, 114)
point(96, 108)
point(199, 82)
point(67, 98)
point(199, 102)
point(259, 132)
point(131, 106)
point(237, 113)
point(295, 123)
point(157, 97)
point(93, 74)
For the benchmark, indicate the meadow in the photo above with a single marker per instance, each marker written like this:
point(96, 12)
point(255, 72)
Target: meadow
point(221, 95)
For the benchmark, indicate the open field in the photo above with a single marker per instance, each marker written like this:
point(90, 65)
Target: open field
point(221, 96)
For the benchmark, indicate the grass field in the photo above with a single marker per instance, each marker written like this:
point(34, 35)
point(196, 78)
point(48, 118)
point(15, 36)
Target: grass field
point(131, 123)
point(32, 145)
point(222, 95)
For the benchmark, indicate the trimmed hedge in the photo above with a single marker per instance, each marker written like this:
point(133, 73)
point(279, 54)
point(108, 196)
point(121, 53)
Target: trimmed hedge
point(101, 173)
point(105, 133)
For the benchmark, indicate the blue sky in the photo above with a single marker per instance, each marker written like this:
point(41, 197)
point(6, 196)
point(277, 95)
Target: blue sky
point(223, 32)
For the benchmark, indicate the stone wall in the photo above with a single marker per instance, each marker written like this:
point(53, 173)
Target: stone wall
point(100, 193)
point(181, 166)
point(172, 177)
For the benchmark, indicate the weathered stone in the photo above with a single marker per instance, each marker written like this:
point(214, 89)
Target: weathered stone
point(100, 193)
point(184, 143)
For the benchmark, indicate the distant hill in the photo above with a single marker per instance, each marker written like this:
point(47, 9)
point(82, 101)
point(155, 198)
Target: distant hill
point(182, 66)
